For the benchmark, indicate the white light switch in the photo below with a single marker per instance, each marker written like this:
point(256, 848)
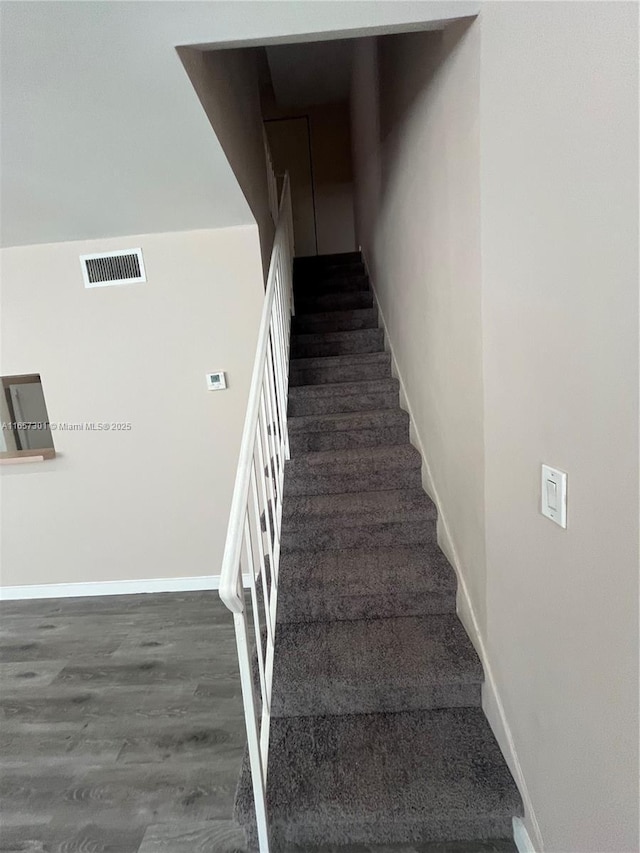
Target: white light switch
point(216, 381)
point(554, 495)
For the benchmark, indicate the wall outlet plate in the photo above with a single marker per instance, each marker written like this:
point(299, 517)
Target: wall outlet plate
point(216, 381)
point(554, 495)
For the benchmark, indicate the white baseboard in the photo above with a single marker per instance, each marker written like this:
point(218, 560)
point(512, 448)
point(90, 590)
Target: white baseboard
point(128, 587)
point(491, 701)
point(521, 837)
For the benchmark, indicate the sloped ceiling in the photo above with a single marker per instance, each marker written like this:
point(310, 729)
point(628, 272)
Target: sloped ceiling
point(102, 133)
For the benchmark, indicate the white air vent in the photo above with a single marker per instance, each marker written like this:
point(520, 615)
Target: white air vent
point(113, 268)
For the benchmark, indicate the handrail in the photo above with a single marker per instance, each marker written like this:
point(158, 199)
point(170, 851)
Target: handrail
point(272, 181)
point(229, 592)
point(253, 533)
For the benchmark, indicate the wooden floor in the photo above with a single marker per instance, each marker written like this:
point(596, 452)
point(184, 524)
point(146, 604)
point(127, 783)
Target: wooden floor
point(121, 728)
point(121, 725)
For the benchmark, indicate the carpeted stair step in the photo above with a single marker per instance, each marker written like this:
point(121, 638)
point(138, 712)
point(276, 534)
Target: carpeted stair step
point(328, 270)
point(363, 508)
point(310, 262)
point(374, 665)
point(337, 343)
point(324, 537)
point(368, 583)
point(335, 321)
point(343, 397)
point(327, 273)
point(416, 776)
point(366, 469)
point(490, 845)
point(345, 430)
point(325, 302)
point(343, 282)
point(367, 519)
point(336, 484)
point(342, 368)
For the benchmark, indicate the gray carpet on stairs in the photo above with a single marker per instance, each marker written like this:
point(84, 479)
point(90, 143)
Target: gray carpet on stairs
point(337, 369)
point(360, 469)
point(370, 665)
point(365, 583)
point(378, 741)
point(334, 321)
point(399, 777)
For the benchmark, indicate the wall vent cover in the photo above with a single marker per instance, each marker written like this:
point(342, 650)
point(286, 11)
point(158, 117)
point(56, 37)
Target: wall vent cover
point(107, 268)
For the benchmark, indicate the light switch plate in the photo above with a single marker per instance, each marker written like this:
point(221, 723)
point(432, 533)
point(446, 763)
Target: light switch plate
point(216, 381)
point(554, 495)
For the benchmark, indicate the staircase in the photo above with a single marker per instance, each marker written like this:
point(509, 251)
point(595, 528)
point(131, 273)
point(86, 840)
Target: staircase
point(377, 734)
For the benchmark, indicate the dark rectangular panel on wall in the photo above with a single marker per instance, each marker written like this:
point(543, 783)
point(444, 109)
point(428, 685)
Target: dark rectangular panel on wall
point(291, 151)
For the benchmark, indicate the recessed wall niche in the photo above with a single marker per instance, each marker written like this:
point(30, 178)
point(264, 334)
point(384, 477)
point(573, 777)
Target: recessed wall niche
point(25, 432)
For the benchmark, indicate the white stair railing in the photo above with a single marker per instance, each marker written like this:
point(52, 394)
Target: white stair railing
point(272, 181)
point(253, 535)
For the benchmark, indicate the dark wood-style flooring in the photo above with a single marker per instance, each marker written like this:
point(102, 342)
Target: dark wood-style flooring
point(121, 727)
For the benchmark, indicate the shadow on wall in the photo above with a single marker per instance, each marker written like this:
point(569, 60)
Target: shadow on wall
point(227, 84)
point(402, 107)
point(313, 144)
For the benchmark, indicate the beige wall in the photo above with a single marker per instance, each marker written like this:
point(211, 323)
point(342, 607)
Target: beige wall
point(330, 143)
point(226, 82)
point(417, 208)
point(533, 327)
point(560, 314)
point(151, 502)
point(365, 142)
